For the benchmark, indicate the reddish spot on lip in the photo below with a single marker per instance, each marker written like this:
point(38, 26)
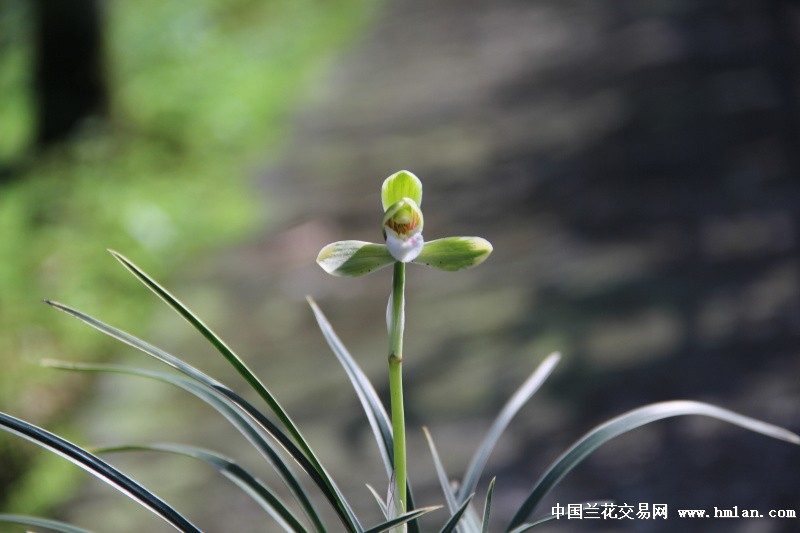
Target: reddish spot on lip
point(403, 229)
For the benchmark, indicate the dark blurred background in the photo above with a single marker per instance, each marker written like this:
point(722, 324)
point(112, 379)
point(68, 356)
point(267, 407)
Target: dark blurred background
point(634, 164)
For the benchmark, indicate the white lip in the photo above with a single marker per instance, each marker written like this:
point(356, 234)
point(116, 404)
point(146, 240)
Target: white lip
point(404, 250)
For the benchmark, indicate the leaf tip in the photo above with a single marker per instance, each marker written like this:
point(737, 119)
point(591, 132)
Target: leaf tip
point(793, 438)
point(118, 256)
point(53, 303)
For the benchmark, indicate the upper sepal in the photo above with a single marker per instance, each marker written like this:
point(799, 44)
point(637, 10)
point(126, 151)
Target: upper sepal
point(454, 253)
point(401, 185)
point(353, 258)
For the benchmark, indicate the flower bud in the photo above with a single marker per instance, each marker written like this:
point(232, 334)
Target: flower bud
point(402, 229)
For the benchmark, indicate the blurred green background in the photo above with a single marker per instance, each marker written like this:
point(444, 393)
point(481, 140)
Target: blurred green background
point(185, 99)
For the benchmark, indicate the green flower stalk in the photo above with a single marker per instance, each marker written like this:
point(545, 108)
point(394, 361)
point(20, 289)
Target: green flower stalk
point(401, 195)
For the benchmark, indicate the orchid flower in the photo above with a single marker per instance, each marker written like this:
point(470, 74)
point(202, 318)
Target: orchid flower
point(401, 195)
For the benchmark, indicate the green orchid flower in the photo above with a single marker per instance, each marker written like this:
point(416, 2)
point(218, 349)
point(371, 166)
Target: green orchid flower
point(401, 195)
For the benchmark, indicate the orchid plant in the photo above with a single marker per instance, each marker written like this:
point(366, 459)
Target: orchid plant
point(281, 443)
point(401, 195)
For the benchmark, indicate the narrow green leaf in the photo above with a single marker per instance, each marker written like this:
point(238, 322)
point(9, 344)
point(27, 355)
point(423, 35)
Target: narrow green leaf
point(626, 422)
point(243, 479)
point(454, 253)
point(471, 521)
point(402, 519)
point(246, 425)
point(401, 185)
point(444, 481)
point(370, 401)
point(354, 258)
point(98, 468)
point(343, 509)
point(453, 522)
point(511, 408)
point(380, 501)
point(308, 463)
point(487, 507)
point(35, 521)
point(212, 337)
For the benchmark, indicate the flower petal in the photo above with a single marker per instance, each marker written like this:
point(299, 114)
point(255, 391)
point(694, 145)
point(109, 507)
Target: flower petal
point(401, 185)
point(454, 253)
point(354, 258)
point(403, 218)
point(402, 249)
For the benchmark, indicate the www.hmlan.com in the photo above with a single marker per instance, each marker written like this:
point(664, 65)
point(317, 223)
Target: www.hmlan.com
point(656, 511)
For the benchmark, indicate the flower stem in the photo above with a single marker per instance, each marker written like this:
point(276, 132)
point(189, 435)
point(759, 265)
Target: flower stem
point(397, 324)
